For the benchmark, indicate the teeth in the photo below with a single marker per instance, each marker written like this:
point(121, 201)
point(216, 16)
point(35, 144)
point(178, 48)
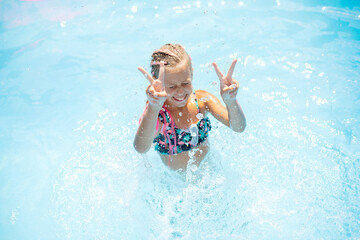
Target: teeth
point(179, 100)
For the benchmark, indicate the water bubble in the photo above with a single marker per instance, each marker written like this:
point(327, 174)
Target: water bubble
point(13, 216)
point(63, 24)
point(193, 130)
point(199, 116)
point(134, 9)
point(193, 167)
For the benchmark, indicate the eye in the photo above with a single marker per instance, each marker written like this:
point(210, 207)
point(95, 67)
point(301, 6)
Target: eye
point(171, 87)
point(185, 83)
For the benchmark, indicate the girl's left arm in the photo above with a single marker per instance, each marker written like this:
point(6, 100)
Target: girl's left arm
point(232, 115)
point(236, 116)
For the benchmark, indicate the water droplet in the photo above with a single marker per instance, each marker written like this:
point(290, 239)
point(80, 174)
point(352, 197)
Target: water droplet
point(199, 116)
point(180, 114)
point(134, 9)
point(63, 24)
point(193, 168)
point(193, 130)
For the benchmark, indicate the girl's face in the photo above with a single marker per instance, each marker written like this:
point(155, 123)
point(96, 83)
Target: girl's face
point(178, 85)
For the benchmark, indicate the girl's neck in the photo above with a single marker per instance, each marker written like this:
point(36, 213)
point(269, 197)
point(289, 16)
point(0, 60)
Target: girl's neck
point(173, 108)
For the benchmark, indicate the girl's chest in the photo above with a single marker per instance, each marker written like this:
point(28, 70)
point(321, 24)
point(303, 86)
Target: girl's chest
point(185, 118)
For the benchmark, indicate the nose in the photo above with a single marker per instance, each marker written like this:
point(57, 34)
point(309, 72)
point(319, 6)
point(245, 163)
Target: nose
point(179, 91)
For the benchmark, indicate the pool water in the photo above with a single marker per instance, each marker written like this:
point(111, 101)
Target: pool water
point(71, 97)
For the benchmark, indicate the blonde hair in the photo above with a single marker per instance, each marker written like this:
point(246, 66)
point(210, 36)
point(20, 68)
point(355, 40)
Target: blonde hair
point(173, 55)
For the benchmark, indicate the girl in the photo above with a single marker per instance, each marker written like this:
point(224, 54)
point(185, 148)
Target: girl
point(175, 116)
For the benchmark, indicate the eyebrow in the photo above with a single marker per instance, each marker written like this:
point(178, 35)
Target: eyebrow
point(186, 80)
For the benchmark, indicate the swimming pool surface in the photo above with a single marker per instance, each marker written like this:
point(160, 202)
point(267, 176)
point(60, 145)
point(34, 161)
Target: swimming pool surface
point(71, 97)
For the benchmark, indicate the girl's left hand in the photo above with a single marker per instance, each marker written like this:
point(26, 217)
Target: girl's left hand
point(228, 86)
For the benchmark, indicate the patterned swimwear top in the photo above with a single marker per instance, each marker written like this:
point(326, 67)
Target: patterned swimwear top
point(173, 140)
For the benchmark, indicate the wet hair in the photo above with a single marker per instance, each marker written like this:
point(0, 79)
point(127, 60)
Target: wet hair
point(173, 55)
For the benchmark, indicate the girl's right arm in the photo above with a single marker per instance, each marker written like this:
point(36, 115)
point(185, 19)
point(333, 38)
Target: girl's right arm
point(156, 95)
point(147, 129)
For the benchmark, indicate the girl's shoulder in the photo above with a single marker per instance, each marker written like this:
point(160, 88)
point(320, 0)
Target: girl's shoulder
point(202, 93)
point(203, 97)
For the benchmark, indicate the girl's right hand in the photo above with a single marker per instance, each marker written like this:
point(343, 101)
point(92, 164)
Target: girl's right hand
point(155, 92)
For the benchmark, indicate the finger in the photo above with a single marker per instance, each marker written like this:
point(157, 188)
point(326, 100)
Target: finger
point(153, 96)
point(217, 70)
point(146, 74)
point(147, 91)
point(151, 90)
point(156, 94)
point(233, 90)
point(162, 94)
point(237, 83)
point(231, 69)
point(227, 89)
point(234, 84)
point(162, 73)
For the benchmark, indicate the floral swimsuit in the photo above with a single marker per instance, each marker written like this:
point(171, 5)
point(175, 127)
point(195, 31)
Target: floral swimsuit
point(172, 140)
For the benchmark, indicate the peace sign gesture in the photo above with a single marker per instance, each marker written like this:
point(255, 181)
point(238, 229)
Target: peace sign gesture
point(155, 92)
point(228, 86)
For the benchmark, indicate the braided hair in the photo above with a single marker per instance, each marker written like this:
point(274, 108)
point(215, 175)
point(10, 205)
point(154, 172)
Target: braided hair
point(173, 55)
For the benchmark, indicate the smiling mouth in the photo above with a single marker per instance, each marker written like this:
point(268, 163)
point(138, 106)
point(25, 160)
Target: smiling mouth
point(180, 99)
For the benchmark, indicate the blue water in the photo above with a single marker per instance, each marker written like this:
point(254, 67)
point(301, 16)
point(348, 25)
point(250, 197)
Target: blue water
point(71, 96)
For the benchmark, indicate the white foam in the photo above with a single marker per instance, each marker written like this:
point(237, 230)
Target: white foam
point(134, 9)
